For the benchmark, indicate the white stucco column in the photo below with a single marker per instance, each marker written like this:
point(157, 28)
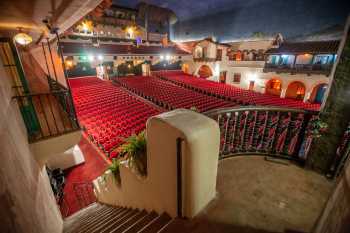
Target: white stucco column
point(307, 96)
point(283, 93)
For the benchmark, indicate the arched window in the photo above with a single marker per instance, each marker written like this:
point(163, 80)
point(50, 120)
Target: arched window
point(296, 90)
point(318, 93)
point(205, 71)
point(273, 87)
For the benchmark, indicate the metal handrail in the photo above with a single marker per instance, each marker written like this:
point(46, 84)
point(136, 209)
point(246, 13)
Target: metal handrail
point(36, 94)
point(256, 108)
point(271, 131)
point(47, 115)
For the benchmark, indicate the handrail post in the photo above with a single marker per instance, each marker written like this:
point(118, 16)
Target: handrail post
point(301, 140)
point(60, 51)
point(179, 176)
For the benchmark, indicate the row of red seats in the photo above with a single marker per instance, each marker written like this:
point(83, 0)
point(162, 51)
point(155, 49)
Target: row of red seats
point(239, 95)
point(108, 113)
point(169, 95)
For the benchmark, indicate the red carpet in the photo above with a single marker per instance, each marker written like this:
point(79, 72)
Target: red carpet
point(93, 167)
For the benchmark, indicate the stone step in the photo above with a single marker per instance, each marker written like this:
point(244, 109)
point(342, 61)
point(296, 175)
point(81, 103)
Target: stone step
point(129, 222)
point(175, 226)
point(111, 222)
point(142, 223)
point(99, 218)
point(157, 224)
point(78, 221)
point(92, 214)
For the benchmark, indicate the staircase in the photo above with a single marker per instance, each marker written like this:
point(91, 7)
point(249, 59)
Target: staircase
point(107, 219)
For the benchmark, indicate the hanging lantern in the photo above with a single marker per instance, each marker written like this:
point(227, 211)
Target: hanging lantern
point(23, 38)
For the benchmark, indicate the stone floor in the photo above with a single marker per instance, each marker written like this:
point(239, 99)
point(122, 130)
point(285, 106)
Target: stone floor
point(255, 195)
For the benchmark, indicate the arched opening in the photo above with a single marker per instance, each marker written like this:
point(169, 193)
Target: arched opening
point(205, 71)
point(198, 52)
point(185, 68)
point(296, 90)
point(273, 87)
point(318, 93)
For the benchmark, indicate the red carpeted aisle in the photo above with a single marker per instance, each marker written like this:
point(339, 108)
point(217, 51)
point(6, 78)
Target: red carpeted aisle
point(93, 167)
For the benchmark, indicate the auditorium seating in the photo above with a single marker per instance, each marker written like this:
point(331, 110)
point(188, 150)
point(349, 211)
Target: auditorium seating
point(171, 96)
point(241, 96)
point(108, 113)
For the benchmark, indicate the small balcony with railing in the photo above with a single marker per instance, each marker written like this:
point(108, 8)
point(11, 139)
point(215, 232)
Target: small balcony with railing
point(305, 64)
point(302, 58)
point(46, 105)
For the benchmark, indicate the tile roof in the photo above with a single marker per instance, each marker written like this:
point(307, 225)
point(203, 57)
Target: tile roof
point(313, 47)
point(118, 49)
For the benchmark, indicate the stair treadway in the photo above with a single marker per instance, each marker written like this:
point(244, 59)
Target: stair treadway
point(107, 219)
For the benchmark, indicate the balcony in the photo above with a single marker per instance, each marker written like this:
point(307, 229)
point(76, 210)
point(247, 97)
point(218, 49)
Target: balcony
point(205, 59)
point(247, 63)
point(47, 115)
point(299, 68)
point(52, 126)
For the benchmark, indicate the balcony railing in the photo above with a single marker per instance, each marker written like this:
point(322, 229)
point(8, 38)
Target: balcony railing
point(205, 59)
point(299, 68)
point(48, 115)
point(276, 132)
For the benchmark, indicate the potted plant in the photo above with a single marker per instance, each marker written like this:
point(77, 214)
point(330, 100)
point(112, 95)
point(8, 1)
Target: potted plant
point(134, 150)
point(194, 108)
point(114, 169)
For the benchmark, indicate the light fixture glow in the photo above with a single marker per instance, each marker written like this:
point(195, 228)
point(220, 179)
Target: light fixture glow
point(167, 57)
point(91, 58)
point(252, 77)
point(130, 31)
point(100, 57)
point(23, 38)
point(86, 26)
point(161, 57)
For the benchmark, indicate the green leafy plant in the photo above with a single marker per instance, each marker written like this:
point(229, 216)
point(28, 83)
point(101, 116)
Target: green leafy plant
point(317, 127)
point(114, 168)
point(194, 108)
point(135, 151)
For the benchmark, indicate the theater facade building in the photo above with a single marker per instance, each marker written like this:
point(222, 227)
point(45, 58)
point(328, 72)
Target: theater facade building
point(298, 70)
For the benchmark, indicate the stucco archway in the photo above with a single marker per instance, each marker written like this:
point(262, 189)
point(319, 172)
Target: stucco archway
point(185, 68)
point(318, 93)
point(205, 71)
point(296, 90)
point(273, 87)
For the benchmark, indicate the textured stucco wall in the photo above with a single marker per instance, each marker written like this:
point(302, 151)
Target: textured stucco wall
point(336, 215)
point(26, 200)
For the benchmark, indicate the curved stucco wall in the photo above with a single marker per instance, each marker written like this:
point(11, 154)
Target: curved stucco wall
point(200, 149)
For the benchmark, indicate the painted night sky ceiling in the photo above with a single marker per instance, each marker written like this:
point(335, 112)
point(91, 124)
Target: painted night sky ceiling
point(229, 20)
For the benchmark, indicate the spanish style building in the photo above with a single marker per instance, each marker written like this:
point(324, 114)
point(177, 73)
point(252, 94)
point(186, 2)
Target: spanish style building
point(297, 70)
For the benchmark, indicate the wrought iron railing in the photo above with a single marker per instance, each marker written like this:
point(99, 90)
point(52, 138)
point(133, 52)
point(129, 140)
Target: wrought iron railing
point(47, 114)
point(277, 132)
point(54, 85)
point(299, 68)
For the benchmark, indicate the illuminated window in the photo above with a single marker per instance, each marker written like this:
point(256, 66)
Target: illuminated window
point(237, 77)
point(238, 56)
point(275, 84)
